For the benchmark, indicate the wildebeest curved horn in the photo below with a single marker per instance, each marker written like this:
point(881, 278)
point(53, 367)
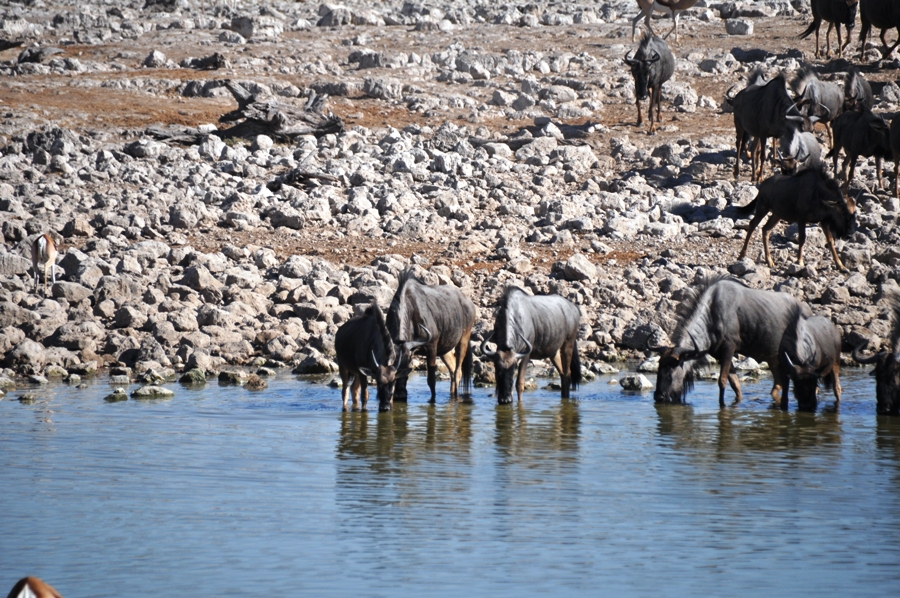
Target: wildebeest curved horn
point(655, 57)
point(629, 61)
point(657, 348)
point(728, 96)
point(375, 359)
point(780, 154)
point(529, 345)
point(864, 360)
point(790, 363)
point(826, 109)
point(484, 349)
point(410, 345)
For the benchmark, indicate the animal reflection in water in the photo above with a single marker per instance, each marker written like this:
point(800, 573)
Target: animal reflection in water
point(731, 433)
point(519, 432)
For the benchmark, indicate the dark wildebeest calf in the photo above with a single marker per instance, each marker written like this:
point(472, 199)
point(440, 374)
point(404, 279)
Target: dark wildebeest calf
point(534, 327)
point(364, 349)
point(810, 351)
point(836, 13)
point(439, 319)
point(887, 367)
point(808, 196)
point(722, 316)
point(651, 66)
point(860, 133)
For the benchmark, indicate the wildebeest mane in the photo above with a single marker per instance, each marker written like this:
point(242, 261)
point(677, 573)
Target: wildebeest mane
point(686, 310)
point(386, 342)
point(399, 322)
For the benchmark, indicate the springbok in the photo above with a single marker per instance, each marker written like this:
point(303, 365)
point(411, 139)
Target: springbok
point(32, 587)
point(671, 7)
point(43, 258)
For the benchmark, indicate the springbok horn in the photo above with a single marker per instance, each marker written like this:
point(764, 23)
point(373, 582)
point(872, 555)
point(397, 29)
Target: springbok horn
point(530, 347)
point(484, 349)
point(864, 360)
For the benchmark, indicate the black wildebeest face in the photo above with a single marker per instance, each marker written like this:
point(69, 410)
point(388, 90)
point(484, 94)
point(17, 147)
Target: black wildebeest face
point(675, 376)
point(385, 378)
point(505, 366)
point(887, 380)
point(640, 70)
point(806, 384)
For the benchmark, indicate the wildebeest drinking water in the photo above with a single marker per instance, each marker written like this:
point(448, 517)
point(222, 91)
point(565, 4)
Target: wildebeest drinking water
point(651, 66)
point(439, 319)
point(810, 351)
point(364, 349)
point(808, 196)
point(534, 327)
point(720, 317)
point(887, 367)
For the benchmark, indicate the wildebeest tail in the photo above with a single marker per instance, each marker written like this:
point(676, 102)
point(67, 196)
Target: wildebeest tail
point(747, 210)
point(809, 30)
point(576, 366)
point(465, 385)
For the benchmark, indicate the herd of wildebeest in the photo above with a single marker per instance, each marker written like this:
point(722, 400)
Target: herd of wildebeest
point(721, 316)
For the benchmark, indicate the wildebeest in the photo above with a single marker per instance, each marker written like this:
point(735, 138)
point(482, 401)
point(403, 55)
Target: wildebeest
point(534, 327)
point(857, 91)
point(882, 15)
point(651, 66)
point(672, 7)
point(807, 197)
point(887, 367)
point(721, 316)
point(365, 349)
point(860, 133)
point(894, 138)
point(810, 351)
point(439, 319)
point(33, 587)
point(762, 110)
point(836, 13)
point(822, 100)
point(799, 150)
point(43, 259)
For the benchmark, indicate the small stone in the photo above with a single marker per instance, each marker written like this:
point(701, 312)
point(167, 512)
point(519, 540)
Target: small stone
point(231, 378)
point(193, 377)
point(738, 27)
point(254, 382)
point(119, 379)
point(579, 267)
point(152, 392)
point(155, 60)
point(635, 382)
point(117, 395)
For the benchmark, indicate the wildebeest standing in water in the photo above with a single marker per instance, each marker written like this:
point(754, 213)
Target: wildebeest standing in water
point(810, 351)
point(722, 316)
point(887, 367)
point(534, 327)
point(806, 197)
point(439, 319)
point(651, 66)
point(836, 13)
point(364, 349)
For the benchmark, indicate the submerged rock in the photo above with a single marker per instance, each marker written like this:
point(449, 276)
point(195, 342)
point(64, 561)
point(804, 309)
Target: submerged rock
point(152, 392)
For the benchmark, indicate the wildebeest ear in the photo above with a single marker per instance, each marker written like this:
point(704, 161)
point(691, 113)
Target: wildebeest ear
point(366, 372)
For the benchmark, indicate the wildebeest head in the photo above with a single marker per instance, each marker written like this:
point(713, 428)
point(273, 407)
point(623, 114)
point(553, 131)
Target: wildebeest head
point(806, 383)
point(385, 375)
point(887, 379)
point(675, 376)
point(857, 92)
point(641, 65)
point(506, 361)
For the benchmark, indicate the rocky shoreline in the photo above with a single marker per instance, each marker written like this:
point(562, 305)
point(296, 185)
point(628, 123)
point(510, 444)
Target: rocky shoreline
point(476, 160)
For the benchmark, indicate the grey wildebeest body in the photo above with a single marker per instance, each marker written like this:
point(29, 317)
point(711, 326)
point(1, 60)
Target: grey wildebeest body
point(887, 367)
point(860, 133)
point(672, 7)
point(809, 196)
point(439, 319)
point(365, 349)
point(857, 91)
point(761, 111)
point(810, 351)
point(836, 13)
point(651, 66)
point(822, 100)
point(534, 327)
point(881, 14)
point(721, 316)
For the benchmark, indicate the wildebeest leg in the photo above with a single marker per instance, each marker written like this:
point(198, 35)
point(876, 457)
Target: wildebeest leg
point(896, 173)
point(674, 16)
point(767, 229)
point(363, 389)
point(757, 218)
point(830, 135)
point(449, 360)
point(640, 118)
point(878, 171)
point(461, 349)
point(852, 171)
point(650, 109)
point(345, 382)
point(801, 238)
point(828, 40)
point(659, 104)
point(735, 386)
point(520, 378)
point(829, 239)
point(724, 374)
point(739, 145)
point(432, 373)
point(784, 394)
